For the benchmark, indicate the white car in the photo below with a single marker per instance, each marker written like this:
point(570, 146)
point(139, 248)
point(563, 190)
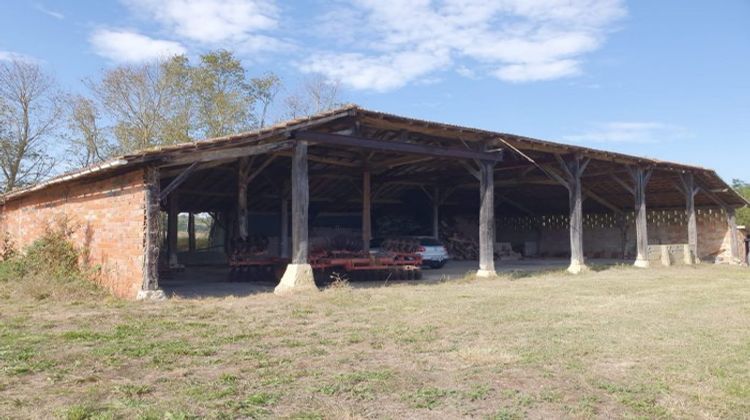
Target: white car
point(434, 254)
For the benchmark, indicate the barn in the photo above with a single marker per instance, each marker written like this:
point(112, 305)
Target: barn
point(148, 217)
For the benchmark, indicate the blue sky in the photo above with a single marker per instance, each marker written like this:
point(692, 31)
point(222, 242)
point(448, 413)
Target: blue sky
point(666, 79)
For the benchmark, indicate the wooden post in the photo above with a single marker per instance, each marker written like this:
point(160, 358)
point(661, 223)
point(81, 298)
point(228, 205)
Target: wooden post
point(151, 244)
point(300, 204)
point(577, 260)
point(486, 220)
point(172, 215)
point(571, 179)
point(191, 232)
point(436, 212)
point(298, 275)
point(734, 246)
point(366, 211)
point(690, 190)
point(242, 179)
point(284, 236)
point(641, 177)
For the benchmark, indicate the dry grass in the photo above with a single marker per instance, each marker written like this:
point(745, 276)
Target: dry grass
point(615, 343)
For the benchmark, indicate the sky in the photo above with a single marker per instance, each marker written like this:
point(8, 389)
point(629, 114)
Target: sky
point(666, 79)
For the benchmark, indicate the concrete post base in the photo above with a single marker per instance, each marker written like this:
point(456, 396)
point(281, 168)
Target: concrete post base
point(296, 278)
point(155, 295)
point(577, 267)
point(486, 273)
point(641, 263)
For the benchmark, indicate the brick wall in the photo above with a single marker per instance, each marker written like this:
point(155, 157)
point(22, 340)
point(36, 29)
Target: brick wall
point(603, 237)
point(109, 215)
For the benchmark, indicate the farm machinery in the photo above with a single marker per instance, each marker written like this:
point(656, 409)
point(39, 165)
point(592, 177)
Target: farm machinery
point(250, 261)
point(329, 257)
point(344, 256)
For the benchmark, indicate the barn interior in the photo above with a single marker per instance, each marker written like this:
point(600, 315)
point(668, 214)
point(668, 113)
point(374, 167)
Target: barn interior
point(375, 176)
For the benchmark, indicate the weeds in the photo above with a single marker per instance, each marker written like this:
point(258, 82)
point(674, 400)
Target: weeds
point(48, 268)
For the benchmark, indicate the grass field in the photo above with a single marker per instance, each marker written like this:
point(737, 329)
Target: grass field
point(621, 342)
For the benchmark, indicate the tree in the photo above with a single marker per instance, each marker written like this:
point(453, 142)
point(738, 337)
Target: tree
point(225, 100)
point(180, 113)
point(316, 94)
point(29, 112)
point(171, 101)
point(743, 189)
point(88, 143)
point(264, 90)
point(134, 97)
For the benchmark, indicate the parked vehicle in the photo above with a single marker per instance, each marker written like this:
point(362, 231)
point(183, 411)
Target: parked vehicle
point(432, 251)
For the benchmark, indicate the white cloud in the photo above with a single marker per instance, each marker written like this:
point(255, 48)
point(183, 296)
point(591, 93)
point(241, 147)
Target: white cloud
point(49, 12)
point(513, 40)
point(210, 21)
point(381, 73)
point(12, 55)
point(124, 46)
point(528, 72)
point(629, 132)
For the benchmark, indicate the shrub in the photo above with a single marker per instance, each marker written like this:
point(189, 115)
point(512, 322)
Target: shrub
point(49, 267)
point(54, 253)
point(8, 250)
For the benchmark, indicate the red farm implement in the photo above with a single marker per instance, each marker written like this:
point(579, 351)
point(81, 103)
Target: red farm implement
point(250, 261)
point(342, 256)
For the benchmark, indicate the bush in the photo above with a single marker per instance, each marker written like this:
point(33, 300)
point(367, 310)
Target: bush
point(53, 254)
point(49, 267)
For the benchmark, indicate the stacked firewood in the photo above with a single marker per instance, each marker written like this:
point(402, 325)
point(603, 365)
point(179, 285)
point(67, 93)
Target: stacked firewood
point(459, 245)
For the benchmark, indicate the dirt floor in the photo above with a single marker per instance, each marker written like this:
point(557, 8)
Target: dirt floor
point(212, 281)
point(616, 342)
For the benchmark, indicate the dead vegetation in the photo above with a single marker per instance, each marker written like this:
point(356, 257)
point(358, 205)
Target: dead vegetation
point(618, 342)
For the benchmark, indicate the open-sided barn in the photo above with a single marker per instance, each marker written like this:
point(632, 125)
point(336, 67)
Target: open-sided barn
point(354, 170)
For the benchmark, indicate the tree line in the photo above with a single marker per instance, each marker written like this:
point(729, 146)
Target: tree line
point(137, 106)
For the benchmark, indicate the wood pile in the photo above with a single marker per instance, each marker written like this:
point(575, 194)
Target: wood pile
point(459, 245)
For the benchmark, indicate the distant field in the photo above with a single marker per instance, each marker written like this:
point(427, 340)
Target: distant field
point(622, 342)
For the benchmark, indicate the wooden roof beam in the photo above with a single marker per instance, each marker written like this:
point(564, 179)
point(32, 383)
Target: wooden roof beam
point(396, 146)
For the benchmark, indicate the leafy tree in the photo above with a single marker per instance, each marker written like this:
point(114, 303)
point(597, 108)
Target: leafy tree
point(180, 116)
point(264, 90)
point(315, 94)
point(743, 214)
point(88, 143)
point(135, 99)
point(29, 113)
point(172, 101)
point(223, 91)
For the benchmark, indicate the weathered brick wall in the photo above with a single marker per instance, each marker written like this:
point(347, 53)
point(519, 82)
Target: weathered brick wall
point(109, 215)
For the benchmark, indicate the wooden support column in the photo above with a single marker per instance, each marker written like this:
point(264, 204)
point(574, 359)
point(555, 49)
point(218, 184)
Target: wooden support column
point(734, 245)
point(298, 275)
point(243, 174)
point(191, 232)
point(689, 189)
point(172, 215)
point(486, 219)
point(151, 243)
point(577, 260)
point(284, 236)
point(571, 178)
point(640, 177)
point(300, 204)
point(436, 212)
point(366, 210)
